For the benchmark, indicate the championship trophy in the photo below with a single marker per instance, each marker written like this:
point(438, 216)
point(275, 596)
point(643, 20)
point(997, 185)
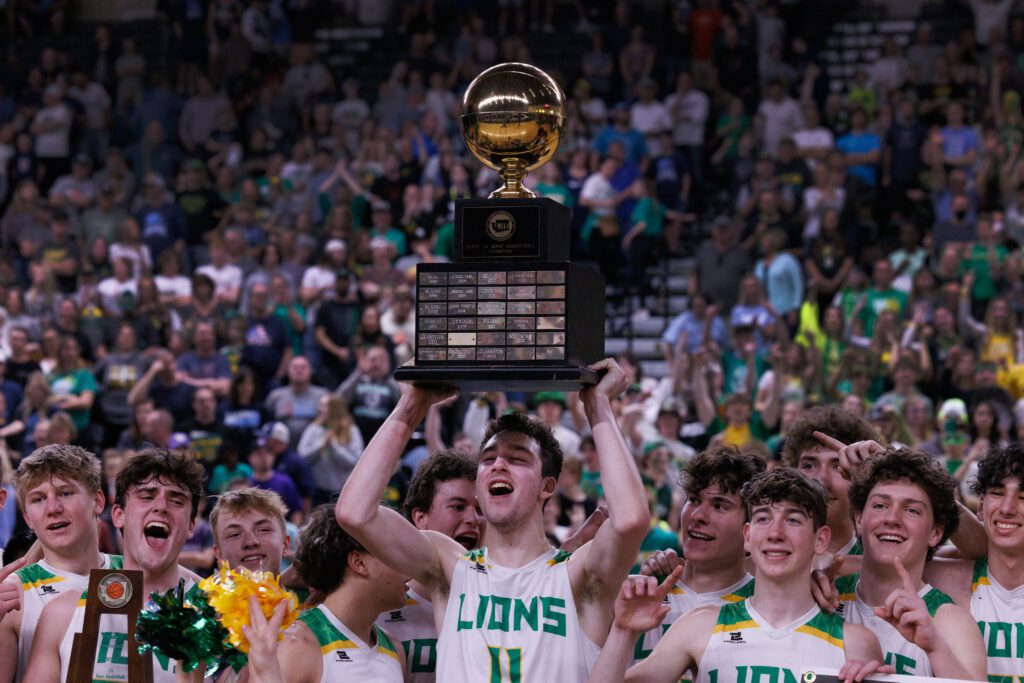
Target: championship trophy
point(111, 592)
point(511, 312)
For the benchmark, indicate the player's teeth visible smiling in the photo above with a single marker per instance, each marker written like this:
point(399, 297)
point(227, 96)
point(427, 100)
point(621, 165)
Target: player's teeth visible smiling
point(889, 538)
point(157, 530)
point(701, 537)
point(500, 488)
point(1007, 525)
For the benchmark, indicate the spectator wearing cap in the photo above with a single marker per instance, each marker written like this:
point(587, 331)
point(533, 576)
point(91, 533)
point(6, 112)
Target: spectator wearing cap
point(420, 251)
point(297, 403)
point(370, 391)
point(264, 476)
point(75, 191)
point(383, 227)
point(204, 428)
point(667, 427)
point(619, 130)
point(276, 437)
point(160, 218)
point(102, 218)
point(719, 264)
point(318, 281)
point(226, 276)
point(335, 322)
point(267, 349)
point(51, 127)
point(399, 323)
point(550, 406)
point(59, 253)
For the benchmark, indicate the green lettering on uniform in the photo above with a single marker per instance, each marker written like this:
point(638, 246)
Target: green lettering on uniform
point(422, 654)
point(552, 614)
point(525, 612)
point(999, 639)
point(741, 674)
point(902, 663)
point(515, 664)
point(495, 653)
point(462, 624)
point(764, 674)
point(481, 610)
point(500, 622)
point(713, 676)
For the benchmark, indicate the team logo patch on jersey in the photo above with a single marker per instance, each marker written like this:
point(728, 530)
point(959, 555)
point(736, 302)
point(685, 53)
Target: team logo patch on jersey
point(342, 656)
point(736, 637)
point(395, 616)
point(45, 590)
point(115, 590)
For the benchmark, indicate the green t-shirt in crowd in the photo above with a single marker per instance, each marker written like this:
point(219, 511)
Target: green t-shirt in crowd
point(879, 301)
point(652, 212)
point(978, 260)
point(74, 383)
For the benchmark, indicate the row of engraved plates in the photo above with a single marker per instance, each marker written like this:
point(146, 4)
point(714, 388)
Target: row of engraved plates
point(491, 316)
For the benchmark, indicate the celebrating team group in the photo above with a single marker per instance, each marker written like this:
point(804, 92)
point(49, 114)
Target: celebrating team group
point(852, 556)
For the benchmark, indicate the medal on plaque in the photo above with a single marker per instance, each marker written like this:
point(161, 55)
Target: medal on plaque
point(111, 591)
point(511, 311)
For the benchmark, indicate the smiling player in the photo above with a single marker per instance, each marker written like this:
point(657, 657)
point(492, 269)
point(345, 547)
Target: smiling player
point(517, 608)
point(58, 489)
point(249, 529)
point(780, 630)
point(156, 500)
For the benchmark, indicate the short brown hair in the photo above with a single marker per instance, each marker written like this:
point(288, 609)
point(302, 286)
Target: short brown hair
point(57, 461)
point(177, 468)
point(785, 484)
point(257, 500)
point(550, 451)
point(440, 467)
point(920, 469)
point(723, 465)
point(837, 422)
point(321, 555)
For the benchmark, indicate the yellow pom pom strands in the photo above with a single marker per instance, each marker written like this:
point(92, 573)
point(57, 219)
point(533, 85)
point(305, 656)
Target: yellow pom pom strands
point(229, 591)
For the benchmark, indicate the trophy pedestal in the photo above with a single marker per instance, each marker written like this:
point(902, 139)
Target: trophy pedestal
point(503, 378)
point(503, 229)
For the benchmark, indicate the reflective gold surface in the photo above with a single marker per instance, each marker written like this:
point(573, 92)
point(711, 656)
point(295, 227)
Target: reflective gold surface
point(513, 119)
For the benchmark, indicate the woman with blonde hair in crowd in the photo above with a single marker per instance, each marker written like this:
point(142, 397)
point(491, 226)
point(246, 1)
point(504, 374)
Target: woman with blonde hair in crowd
point(331, 445)
point(997, 338)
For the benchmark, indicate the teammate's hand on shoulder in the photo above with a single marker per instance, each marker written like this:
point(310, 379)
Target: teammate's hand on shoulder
point(640, 605)
point(10, 591)
point(823, 584)
point(661, 563)
point(612, 380)
point(907, 612)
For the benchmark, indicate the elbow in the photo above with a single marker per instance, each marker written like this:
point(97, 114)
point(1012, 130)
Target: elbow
point(350, 514)
point(632, 523)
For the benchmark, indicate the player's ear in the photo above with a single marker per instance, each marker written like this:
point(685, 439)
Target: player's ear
point(856, 523)
point(419, 518)
point(117, 516)
point(357, 563)
point(822, 536)
point(746, 537)
point(100, 503)
point(936, 535)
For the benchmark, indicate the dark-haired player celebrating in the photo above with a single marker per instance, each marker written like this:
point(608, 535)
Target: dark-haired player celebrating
point(711, 533)
point(441, 498)
point(337, 641)
point(992, 586)
point(904, 508)
point(517, 608)
point(156, 501)
point(780, 631)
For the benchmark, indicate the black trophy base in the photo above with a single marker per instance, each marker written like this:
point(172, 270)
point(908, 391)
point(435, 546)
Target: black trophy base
point(553, 378)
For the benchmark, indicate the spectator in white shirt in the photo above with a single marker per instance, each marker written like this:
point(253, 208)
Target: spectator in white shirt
point(226, 276)
point(650, 117)
point(688, 108)
point(113, 288)
point(778, 117)
point(813, 141)
point(52, 129)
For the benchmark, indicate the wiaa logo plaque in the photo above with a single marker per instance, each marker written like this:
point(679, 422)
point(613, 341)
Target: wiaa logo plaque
point(500, 226)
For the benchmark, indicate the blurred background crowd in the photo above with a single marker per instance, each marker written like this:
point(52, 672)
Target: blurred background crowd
point(210, 219)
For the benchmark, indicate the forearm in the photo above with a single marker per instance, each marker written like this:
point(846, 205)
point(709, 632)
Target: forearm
point(615, 656)
point(970, 538)
point(946, 663)
point(623, 488)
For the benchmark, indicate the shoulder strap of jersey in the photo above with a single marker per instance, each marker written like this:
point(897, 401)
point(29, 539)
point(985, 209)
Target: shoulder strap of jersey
point(980, 577)
point(934, 599)
point(733, 617)
point(36, 575)
point(384, 643)
point(847, 587)
point(115, 561)
point(827, 627)
point(327, 636)
point(742, 593)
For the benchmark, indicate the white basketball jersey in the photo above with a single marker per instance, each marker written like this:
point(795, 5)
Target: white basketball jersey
point(413, 626)
point(111, 662)
point(681, 600)
point(348, 659)
point(40, 584)
point(899, 652)
point(1000, 616)
point(744, 648)
point(510, 625)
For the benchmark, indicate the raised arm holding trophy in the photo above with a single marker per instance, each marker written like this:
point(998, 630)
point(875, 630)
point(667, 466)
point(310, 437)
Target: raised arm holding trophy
point(512, 311)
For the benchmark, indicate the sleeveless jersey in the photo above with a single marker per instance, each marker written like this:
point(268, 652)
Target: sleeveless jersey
point(852, 547)
point(345, 657)
point(999, 613)
point(40, 584)
point(510, 625)
point(111, 665)
point(744, 648)
point(681, 600)
point(413, 626)
point(900, 653)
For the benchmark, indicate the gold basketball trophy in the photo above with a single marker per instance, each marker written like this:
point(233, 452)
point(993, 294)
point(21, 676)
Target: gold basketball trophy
point(511, 312)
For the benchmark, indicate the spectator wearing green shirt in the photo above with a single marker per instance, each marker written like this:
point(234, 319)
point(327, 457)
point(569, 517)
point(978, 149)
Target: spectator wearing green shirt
point(381, 227)
point(984, 258)
point(645, 235)
point(882, 296)
point(553, 187)
point(738, 424)
point(290, 311)
point(72, 386)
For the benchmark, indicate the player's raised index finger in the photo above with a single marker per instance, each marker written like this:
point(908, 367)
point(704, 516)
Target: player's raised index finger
point(825, 439)
point(11, 568)
point(908, 583)
point(666, 586)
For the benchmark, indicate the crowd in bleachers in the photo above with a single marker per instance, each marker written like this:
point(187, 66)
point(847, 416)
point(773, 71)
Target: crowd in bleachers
point(217, 251)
